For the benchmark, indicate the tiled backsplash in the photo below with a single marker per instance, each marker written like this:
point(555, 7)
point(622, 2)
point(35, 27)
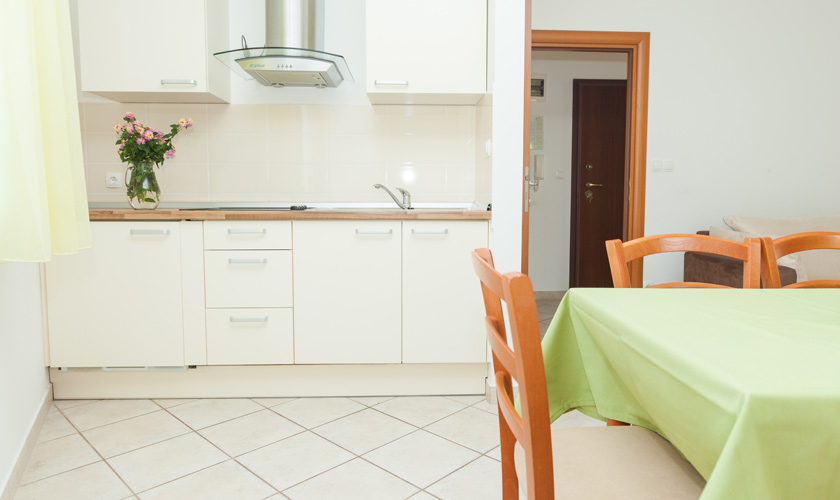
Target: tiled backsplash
point(300, 153)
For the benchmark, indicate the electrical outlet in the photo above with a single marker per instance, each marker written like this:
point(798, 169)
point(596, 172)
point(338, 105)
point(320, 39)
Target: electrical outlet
point(113, 179)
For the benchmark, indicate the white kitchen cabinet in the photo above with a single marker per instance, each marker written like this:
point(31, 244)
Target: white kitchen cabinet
point(250, 336)
point(442, 307)
point(347, 291)
point(431, 52)
point(157, 51)
point(118, 304)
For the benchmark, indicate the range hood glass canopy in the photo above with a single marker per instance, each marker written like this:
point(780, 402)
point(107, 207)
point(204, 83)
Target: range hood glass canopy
point(289, 67)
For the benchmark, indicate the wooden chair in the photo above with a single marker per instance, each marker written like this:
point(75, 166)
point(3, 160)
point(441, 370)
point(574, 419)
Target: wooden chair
point(773, 249)
point(620, 254)
point(627, 462)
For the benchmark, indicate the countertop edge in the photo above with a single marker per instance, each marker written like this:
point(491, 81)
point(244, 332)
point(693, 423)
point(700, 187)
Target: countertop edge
point(335, 214)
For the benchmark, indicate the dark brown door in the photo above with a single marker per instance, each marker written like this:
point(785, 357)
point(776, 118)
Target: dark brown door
point(598, 177)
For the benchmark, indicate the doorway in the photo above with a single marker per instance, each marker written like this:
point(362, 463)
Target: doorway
point(636, 47)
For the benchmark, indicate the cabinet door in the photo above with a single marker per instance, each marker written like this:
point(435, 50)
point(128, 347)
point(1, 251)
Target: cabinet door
point(249, 336)
point(119, 302)
point(347, 291)
point(430, 52)
point(443, 312)
point(152, 51)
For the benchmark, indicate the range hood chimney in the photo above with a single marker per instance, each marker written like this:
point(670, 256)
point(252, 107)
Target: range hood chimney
point(293, 55)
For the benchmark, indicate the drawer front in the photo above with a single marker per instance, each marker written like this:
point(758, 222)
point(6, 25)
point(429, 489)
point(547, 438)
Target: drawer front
point(246, 235)
point(249, 337)
point(243, 278)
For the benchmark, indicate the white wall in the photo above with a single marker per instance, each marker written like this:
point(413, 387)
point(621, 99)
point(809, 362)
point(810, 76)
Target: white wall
point(742, 98)
point(23, 378)
point(550, 221)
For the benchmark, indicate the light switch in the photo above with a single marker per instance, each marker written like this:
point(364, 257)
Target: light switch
point(669, 165)
point(113, 179)
point(657, 165)
point(560, 174)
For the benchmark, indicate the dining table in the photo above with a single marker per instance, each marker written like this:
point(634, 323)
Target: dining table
point(744, 383)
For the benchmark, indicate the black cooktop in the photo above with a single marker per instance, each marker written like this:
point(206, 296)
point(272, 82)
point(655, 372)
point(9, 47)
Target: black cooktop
point(292, 207)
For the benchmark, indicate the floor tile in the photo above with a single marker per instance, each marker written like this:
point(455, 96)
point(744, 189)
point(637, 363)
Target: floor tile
point(495, 453)
point(106, 412)
point(355, 480)
point(421, 458)
point(127, 435)
point(154, 465)
point(55, 426)
point(203, 413)
point(169, 403)
point(575, 418)
point(269, 402)
point(312, 412)
point(295, 459)
point(364, 431)
point(225, 481)
point(468, 399)
point(420, 410)
point(64, 404)
point(422, 496)
point(473, 428)
point(479, 479)
point(250, 432)
point(371, 400)
point(96, 480)
point(488, 407)
point(57, 456)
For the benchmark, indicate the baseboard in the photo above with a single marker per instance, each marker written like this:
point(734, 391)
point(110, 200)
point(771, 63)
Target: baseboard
point(28, 445)
point(550, 295)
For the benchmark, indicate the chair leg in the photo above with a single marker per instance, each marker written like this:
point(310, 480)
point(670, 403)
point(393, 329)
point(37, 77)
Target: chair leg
point(615, 423)
point(510, 483)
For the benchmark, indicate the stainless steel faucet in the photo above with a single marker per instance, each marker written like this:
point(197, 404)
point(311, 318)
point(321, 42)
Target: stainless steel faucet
point(406, 196)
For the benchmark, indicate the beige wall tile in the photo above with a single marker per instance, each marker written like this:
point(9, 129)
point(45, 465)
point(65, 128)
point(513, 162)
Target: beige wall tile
point(357, 119)
point(237, 119)
point(184, 182)
point(100, 118)
point(190, 148)
point(355, 182)
point(460, 179)
point(428, 149)
point(356, 149)
point(101, 148)
point(416, 119)
point(161, 116)
point(297, 119)
point(241, 148)
point(297, 149)
point(460, 120)
point(238, 183)
point(417, 179)
point(460, 148)
point(298, 179)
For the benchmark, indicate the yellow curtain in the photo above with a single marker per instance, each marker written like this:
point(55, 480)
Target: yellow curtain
point(43, 202)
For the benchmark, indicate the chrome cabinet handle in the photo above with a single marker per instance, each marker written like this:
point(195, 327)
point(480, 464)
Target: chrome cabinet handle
point(374, 231)
point(247, 261)
point(260, 230)
point(177, 81)
point(430, 231)
point(592, 184)
point(390, 82)
point(244, 319)
point(149, 231)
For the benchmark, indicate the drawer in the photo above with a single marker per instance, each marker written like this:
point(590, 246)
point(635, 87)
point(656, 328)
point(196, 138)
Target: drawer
point(245, 235)
point(248, 278)
point(249, 337)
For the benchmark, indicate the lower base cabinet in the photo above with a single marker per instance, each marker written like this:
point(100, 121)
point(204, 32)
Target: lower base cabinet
point(249, 337)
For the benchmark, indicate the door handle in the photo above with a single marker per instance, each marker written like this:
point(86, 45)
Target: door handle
point(592, 184)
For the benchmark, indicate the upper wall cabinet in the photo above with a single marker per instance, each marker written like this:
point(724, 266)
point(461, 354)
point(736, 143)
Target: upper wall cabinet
point(430, 52)
point(157, 51)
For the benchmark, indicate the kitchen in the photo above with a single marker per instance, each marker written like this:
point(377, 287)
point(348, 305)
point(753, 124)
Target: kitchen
point(676, 202)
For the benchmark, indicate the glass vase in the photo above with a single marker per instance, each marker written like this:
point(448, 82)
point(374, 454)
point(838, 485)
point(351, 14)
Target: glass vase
point(142, 187)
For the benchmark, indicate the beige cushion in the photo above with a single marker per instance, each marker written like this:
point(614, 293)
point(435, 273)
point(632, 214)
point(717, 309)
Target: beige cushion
point(792, 261)
point(626, 462)
point(817, 264)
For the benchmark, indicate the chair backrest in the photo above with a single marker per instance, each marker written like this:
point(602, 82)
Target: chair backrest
point(621, 254)
point(523, 363)
point(773, 249)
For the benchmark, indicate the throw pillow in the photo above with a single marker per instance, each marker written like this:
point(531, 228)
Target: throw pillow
point(792, 261)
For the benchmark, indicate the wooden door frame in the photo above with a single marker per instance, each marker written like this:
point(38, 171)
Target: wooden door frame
point(637, 47)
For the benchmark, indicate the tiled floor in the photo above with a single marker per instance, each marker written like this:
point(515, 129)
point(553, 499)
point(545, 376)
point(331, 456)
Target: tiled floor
point(545, 311)
point(367, 448)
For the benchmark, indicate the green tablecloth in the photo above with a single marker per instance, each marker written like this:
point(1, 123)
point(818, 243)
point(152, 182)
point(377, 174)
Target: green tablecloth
point(745, 383)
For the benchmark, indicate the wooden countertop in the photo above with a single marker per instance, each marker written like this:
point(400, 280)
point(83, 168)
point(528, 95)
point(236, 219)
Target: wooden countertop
point(316, 214)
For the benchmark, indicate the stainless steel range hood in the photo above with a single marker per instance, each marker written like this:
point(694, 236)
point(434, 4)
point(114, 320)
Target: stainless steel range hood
point(292, 56)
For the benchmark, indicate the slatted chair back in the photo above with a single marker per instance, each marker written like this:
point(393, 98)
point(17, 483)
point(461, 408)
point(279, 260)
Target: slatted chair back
point(772, 249)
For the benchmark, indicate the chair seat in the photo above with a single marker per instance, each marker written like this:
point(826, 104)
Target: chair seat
point(626, 462)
